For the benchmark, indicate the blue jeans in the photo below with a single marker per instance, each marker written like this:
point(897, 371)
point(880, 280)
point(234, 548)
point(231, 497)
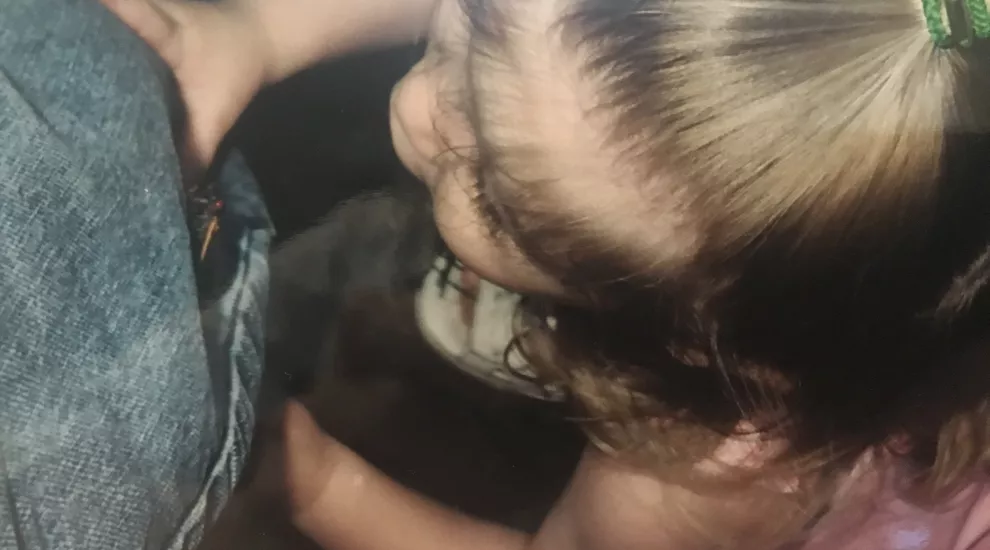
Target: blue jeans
point(126, 395)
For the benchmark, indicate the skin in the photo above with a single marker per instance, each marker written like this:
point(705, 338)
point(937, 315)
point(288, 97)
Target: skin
point(356, 499)
point(425, 131)
point(592, 514)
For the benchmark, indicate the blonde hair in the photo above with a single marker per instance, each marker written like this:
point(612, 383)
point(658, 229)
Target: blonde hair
point(834, 163)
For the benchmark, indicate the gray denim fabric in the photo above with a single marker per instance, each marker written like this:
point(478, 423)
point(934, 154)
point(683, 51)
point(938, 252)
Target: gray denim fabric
point(125, 410)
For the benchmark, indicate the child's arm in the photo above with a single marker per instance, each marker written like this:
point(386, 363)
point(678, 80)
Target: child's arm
point(303, 32)
point(362, 509)
point(343, 503)
point(223, 52)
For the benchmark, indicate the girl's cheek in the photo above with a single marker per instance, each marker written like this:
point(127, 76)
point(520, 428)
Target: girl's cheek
point(412, 123)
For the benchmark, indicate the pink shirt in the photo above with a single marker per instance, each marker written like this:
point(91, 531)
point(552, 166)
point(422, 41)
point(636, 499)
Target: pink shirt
point(870, 513)
point(885, 521)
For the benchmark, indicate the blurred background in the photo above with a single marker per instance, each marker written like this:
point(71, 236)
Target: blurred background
point(351, 351)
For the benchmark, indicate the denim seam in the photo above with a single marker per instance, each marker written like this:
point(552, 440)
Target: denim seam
point(195, 515)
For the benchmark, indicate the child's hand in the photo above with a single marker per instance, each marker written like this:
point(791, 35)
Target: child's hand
point(218, 53)
point(298, 462)
point(311, 457)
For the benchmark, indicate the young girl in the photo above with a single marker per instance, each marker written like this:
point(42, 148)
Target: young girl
point(754, 234)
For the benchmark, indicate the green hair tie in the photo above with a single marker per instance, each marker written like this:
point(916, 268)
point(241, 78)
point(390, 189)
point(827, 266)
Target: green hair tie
point(970, 16)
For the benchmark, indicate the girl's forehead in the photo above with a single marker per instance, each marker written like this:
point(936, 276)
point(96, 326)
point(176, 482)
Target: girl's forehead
point(532, 99)
point(550, 125)
point(451, 25)
point(511, 22)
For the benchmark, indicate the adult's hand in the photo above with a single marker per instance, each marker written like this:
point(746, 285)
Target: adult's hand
point(218, 52)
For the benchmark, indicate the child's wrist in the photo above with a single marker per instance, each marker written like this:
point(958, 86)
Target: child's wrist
point(311, 462)
point(265, 44)
point(316, 499)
